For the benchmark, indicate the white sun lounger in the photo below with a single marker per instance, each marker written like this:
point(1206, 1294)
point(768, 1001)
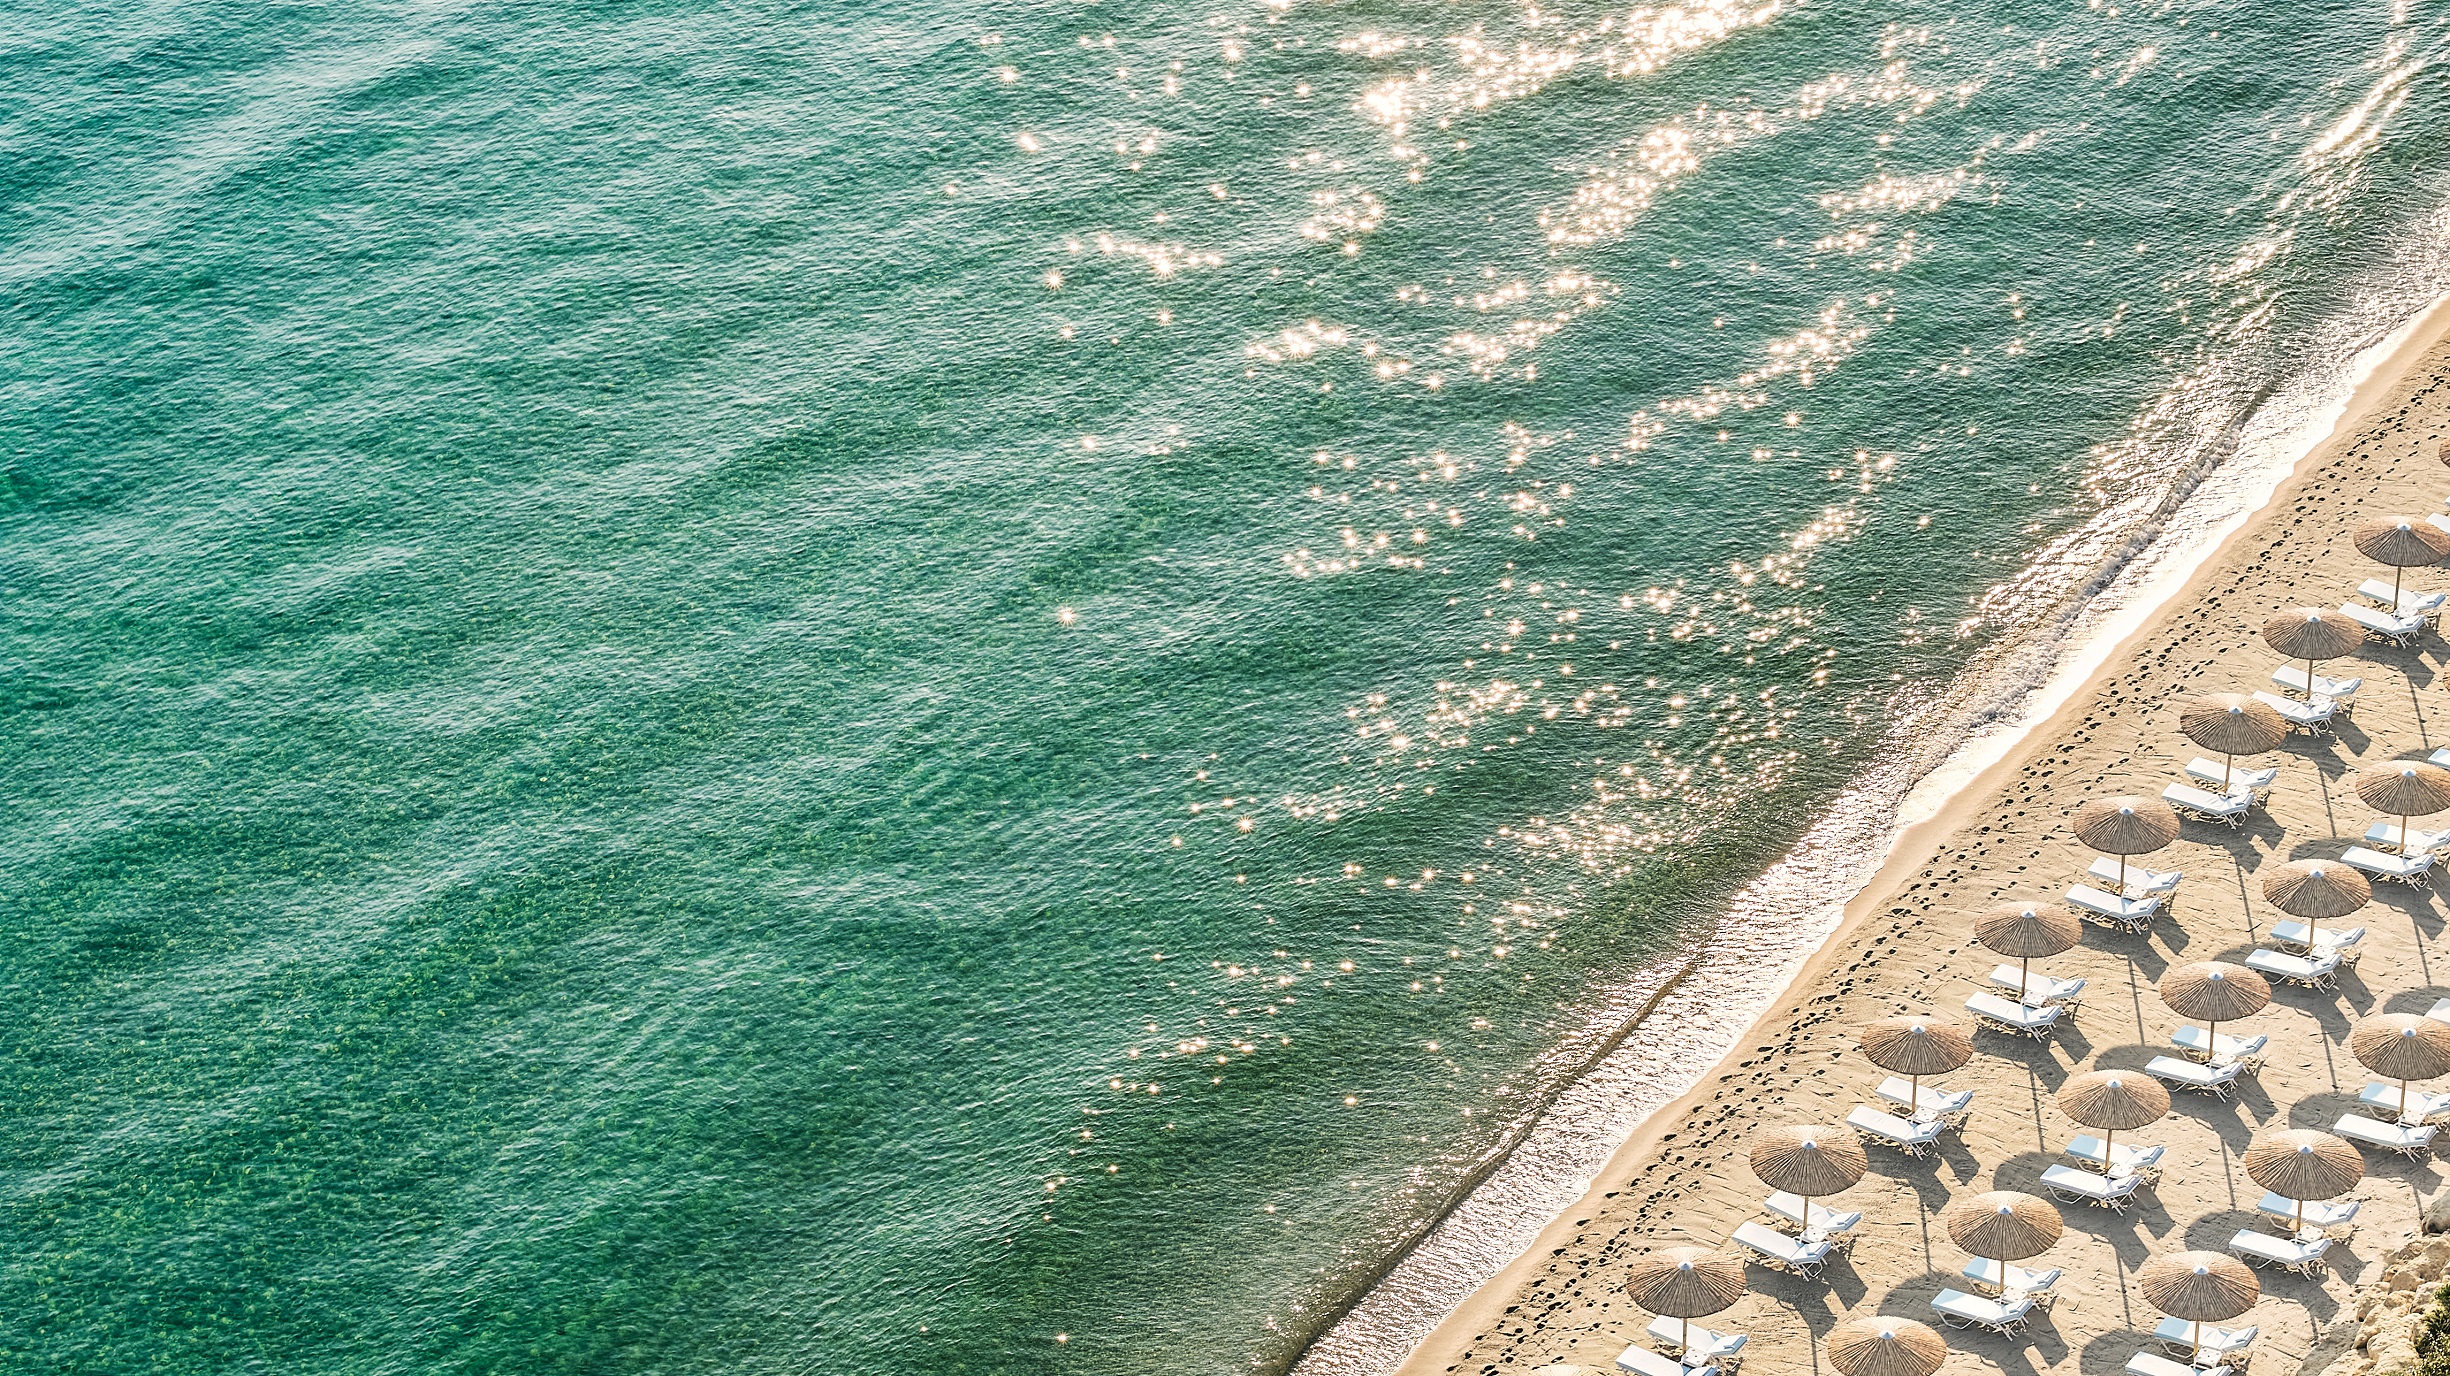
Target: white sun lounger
point(2418, 842)
point(2406, 1141)
point(1914, 1139)
point(2415, 871)
point(1780, 1251)
point(1700, 1344)
point(2208, 773)
point(2303, 1257)
point(2440, 757)
point(2215, 1080)
point(2219, 1048)
point(2141, 882)
point(2008, 1016)
point(2440, 1011)
point(2180, 1336)
point(1928, 1103)
point(1960, 1310)
point(2109, 910)
point(2339, 692)
point(2013, 1281)
point(1824, 1224)
point(2308, 935)
point(2317, 973)
point(2119, 1160)
point(2410, 603)
point(2321, 1215)
point(1641, 1361)
point(2398, 630)
point(2419, 1106)
point(2108, 1191)
point(2313, 718)
point(2210, 807)
point(2154, 1364)
point(2038, 989)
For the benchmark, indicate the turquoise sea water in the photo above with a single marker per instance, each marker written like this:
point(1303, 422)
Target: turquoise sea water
point(740, 687)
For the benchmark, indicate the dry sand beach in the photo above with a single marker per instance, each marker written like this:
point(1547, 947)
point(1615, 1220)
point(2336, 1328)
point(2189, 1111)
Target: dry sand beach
point(1906, 948)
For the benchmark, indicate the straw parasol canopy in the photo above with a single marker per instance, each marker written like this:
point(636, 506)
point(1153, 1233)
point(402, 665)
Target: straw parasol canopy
point(2316, 889)
point(2026, 930)
point(2302, 1164)
point(2215, 991)
point(2402, 542)
point(1685, 1283)
point(2310, 634)
point(2409, 788)
point(2402, 1047)
point(2232, 724)
point(2113, 1101)
point(1811, 1160)
point(1916, 1046)
point(2123, 827)
point(2199, 1287)
point(1879, 1345)
point(2001, 1224)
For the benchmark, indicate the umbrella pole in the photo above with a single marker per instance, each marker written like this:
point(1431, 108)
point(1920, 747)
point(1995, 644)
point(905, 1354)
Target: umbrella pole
point(1685, 1341)
point(2108, 1157)
point(2122, 877)
point(2300, 1217)
point(2196, 1341)
point(2403, 1098)
point(2227, 763)
point(2309, 678)
point(2211, 1039)
point(1914, 1095)
point(2394, 589)
point(2024, 976)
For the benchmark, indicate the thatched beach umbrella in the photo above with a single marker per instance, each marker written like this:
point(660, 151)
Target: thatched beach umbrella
point(2402, 1047)
point(2124, 827)
point(2232, 724)
point(2302, 1164)
point(2317, 890)
point(2113, 1101)
point(1915, 1047)
point(1879, 1345)
point(2199, 1287)
point(2215, 991)
point(1685, 1283)
point(2002, 1225)
point(2402, 542)
point(1812, 1160)
point(2027, 930)
point(2409, 788)
point(2312, 634)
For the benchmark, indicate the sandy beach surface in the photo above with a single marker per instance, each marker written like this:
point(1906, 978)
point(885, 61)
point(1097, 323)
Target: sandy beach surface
point(1906, 947)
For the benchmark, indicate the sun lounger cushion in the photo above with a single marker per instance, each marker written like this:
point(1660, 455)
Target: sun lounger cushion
point(1778, 1247)
point(1996, 1315)
point(2130, 912)
point(2096, 1189)
point(2034, 1022)
point(2234, 778)
point(2214, 1340)
point(2010, 1277)
point(2038, 988)
point(1931, 1101)
point(2398, 629)
point(2306, 934)
point(2338, 690)
point(2192, 1076)
point(1700, 1344)
point(2416, 1107)
point(2122, 1159)
point(1824, 1221)
point(2416, 842)
point(2300, 1256)
point(2202, 804)
point(2141, 882)
point(2410, 602)
point(1641, 1361)
point(2305, 716)
point(1890, 1128)
point(2154, 1364)
point(2408, 1141)
point(2223, 1049)
point(2319, 1213)
point(2295, 969)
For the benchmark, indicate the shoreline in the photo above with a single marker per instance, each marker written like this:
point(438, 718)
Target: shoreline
point(1952, 797)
